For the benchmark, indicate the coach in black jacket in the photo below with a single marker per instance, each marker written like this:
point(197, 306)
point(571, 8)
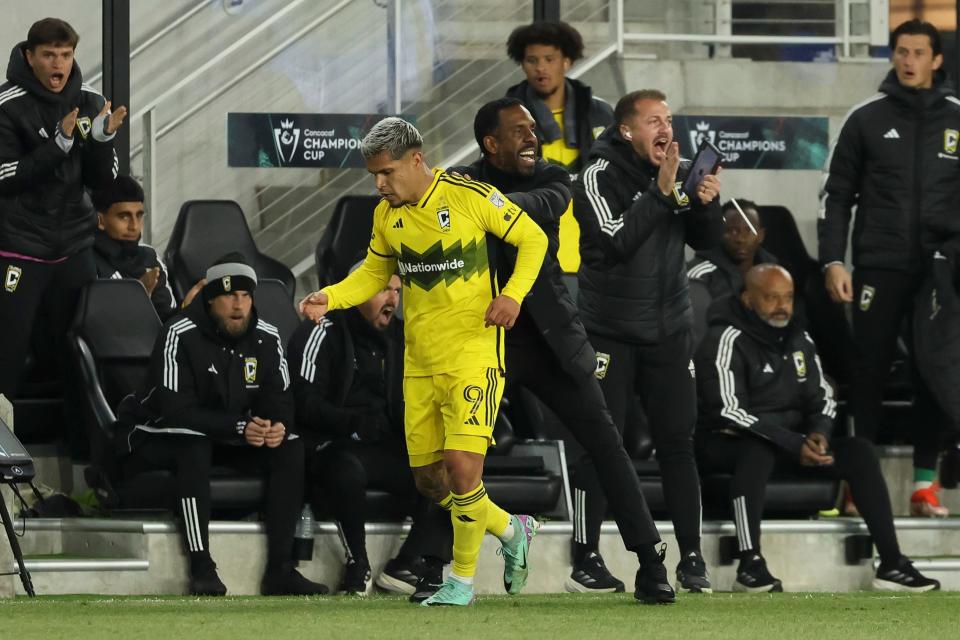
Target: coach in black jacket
point(763, 403)
point(634, 222)
point(897, 159)
point(55, 140)
point(547, 349)
point(218, 377)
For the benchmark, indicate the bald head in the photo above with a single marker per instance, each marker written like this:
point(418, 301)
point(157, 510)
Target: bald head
point(769, 294)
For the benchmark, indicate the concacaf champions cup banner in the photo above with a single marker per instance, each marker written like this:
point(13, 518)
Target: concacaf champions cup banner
point(301, 140)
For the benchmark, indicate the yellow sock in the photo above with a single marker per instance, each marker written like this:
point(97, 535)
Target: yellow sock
point(497, 519)
point(469, 518)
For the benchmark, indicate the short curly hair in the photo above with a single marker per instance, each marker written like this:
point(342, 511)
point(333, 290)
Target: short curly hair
point(558, 34)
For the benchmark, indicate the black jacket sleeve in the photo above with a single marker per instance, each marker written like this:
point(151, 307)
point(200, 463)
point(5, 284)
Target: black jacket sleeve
point(174, 395)
point(274, 399)
point(548, 202)
point(617, 229)
point(162, 298)
point(819, 407)
point(19, 171)
point(725, 394)
point(839, 193)
point(318, 361)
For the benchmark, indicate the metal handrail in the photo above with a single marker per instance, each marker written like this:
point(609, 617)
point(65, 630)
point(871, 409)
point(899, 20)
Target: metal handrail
point(159, 35)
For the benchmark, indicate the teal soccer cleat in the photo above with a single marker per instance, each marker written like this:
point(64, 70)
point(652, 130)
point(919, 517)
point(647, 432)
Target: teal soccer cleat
point(515, 565)
point(451, 593)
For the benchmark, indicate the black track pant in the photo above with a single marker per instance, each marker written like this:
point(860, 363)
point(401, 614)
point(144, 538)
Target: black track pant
point(342, 473)
point(579, 404)
point(190, 458)
point(881, 301)
point(752, 460)
point(41, 296)
point(662, 378)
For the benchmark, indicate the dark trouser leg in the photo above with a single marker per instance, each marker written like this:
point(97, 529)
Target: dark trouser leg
point(589, 499)
point(580, 405)
point(751, 460)
point(284, 499)
point(430, 535)
point(880, 300)
point(856, 462)
point(23, 285)
point(344, 482)
point(668, 390)
point(58, 307)
point(188, 457)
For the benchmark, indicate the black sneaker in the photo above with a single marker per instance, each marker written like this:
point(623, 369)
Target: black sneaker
point(903, 577)
point(204, 581)
point(754, 577)
point(692, 574)
point(652, 586)
point(287, 581)
point(591, 575)
point(399, 576)
point(429, 580)
point(356, 578)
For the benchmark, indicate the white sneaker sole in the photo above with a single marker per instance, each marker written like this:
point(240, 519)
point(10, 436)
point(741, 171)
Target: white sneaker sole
point(887, 585)
point(572, 586)
point(680, 589)
point(393, 585)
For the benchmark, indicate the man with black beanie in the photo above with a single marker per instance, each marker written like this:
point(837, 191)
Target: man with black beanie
point(217, 391)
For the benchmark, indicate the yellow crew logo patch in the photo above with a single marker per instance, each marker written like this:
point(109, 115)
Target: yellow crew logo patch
point(225, 281)
point(84, 125)
point(800, 363)
point(679, 196)
point(603, 365)
point(250, 370)
point(867, 295)
point(950, 139)
point(12, 278)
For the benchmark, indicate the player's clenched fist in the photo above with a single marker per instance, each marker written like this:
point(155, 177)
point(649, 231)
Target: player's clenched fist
point(502, 312)
point(314, 306)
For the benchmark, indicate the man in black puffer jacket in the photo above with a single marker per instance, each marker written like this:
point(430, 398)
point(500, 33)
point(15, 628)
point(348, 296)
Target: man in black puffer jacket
point(549, 354)
point(635, 220)
point(897, 160)
point(55, 140)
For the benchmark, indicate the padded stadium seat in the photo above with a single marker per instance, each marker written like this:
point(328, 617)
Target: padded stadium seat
point(113, 357)
point(274, 305)
point(204, 231)
point(345, 236)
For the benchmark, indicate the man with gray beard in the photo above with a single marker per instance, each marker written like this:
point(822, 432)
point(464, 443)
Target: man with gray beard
point(765, 403)
point(217, 393)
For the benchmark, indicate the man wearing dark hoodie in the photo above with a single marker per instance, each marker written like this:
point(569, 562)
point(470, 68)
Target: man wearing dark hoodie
point(764, 403)
point(548, 351)
point(217, 392)
point(635, 219)
point(55, 141)
point(897, 159)
point(568, 116)
point(117, 248)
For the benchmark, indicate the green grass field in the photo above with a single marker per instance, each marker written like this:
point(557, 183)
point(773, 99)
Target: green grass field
point(552, 617)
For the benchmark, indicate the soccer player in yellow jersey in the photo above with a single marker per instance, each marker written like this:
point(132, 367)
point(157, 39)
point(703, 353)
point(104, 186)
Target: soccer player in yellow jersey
point(432, 227)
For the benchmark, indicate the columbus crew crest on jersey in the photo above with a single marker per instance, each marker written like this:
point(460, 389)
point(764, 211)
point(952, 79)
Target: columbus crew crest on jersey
point(12, 278)
point(250, 370)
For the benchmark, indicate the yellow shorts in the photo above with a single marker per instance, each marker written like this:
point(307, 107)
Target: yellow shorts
point(450, 411)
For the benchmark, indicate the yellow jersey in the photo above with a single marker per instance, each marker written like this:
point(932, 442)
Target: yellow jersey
point(439, 248)
point(557, 152)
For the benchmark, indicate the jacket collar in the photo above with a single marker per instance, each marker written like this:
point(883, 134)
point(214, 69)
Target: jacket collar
point(924, 98)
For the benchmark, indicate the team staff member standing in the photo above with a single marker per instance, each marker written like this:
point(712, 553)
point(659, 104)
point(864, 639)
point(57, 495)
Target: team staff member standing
point(635, 220)
point(568, 116)
point(433, 226)
point(55, 141)
point(548, 351)
point(897, 160)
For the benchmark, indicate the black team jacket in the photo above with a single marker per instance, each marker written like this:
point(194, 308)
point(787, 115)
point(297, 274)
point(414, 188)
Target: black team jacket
point(760, 381)
point(584, 115)
point(548, 309)
point(45, 211)
point(348, 380)
point(719, 273)
point(130, 259)
point(897, 160)
point(633, 279)
point(203, 383)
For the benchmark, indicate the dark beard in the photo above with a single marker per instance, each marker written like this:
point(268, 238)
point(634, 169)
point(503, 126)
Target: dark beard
point(225, 331)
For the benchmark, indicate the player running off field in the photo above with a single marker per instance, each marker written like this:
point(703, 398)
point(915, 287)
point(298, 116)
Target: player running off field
point(431, 228)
